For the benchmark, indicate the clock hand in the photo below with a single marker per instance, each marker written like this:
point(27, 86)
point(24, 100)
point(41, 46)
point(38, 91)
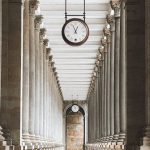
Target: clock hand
point(76, 29)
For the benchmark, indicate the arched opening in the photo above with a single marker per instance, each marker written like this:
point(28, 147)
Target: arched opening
point(75, 128)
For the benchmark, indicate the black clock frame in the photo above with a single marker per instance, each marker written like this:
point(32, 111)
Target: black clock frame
point(72, 43)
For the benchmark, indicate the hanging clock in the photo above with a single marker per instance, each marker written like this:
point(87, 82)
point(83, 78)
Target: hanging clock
point(75, 108)
point(75, 32)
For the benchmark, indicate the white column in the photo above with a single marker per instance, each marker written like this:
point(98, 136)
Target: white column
point(42, 34)
point(116, 6)
point(25, 84)
point(38, 20)
point(44, 87)
point(123, 73)
point(108, 84)
point(47, 85)
point(146, 138)
point(33, 6)
point(111, 21)
point(104, 43)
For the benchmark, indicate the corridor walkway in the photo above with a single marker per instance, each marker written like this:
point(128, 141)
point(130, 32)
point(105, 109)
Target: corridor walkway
point(74, 75)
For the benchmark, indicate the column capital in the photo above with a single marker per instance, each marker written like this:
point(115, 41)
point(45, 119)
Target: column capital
point(42, 34)
point(108, 39)
point(97, 61)
point(106, 31)
point(104, 42)
point(101, 49)
point(50, 58)
point(115, 5)
point(48, 50)
point(52, 64)
point(111, 21)
point(45, 42)
point(38, 21)
point(96, 68)
point(33, 5)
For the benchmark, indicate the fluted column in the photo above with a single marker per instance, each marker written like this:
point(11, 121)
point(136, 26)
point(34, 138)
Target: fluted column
point(47, 85)
point(25, 89)
point(97, 102)
point(111, 21)
point(38, 20)
point(50, 94)
point(146, 138)
point(33, 6)
point(42, 34)
point(44, 87)
point(107, 34)
point(104, 43)
point(123, 72)
point(103, 91)
point(116, 6)
point(100, 95)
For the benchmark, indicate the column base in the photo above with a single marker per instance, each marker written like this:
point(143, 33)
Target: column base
point(115, 139)
point(146, 139)
point(121, 139)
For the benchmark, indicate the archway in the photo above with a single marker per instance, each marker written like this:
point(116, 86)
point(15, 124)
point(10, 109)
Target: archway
point(75, 128)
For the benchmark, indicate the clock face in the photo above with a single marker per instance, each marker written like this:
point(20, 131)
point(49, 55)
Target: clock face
point(75, 108)
point(75, 32)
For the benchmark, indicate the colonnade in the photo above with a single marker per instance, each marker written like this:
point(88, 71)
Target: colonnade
point(42, 105)
point(107, 93)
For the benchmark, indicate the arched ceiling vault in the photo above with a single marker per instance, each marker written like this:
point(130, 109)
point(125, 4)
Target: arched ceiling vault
point(74, 65)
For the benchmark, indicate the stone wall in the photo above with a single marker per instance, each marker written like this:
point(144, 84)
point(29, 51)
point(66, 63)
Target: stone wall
point(75, 131)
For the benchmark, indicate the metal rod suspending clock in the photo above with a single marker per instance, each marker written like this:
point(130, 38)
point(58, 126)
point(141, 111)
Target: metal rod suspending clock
point(66, 12)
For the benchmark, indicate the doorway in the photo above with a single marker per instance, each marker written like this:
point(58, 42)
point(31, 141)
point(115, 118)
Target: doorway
point(75, 129)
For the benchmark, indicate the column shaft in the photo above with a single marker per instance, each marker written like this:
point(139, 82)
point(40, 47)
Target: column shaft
point(100, 99)
point(37, 74)
point(108, 87)
point(117, 73)
point(123, 70)
point(105, 89)
point(25, 92)
point(44, 87)
point(97, 104)
point(103, 103)
point(32, 69)
point(42, 34)
point(112, 81)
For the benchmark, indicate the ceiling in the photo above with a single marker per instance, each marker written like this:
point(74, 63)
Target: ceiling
point(74, 65)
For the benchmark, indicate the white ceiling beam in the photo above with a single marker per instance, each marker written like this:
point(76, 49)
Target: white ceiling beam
point(75, 67)
point(74, 75)
point(76, 71)
point(91, 38)
point(73, 48)
point(75, 86)
point(74, 61)
point(89, 14)
point(57, 32)
point(87, 83)
point(73, 2)
point(92, 27)
point(76, 80)
point(74, 55)
point(74, 7)
point(55, 42)
point(62, 20)
point(85, 51)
